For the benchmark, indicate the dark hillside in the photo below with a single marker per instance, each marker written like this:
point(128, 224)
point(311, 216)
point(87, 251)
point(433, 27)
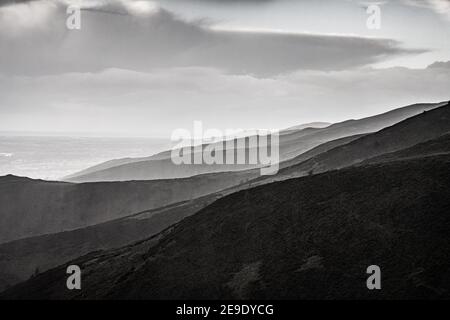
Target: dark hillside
point(311, 237)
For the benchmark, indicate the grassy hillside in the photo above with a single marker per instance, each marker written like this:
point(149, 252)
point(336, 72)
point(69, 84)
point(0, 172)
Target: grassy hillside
point(438, 146)
point(21, 259)
point(35, 207)
point(305, 238)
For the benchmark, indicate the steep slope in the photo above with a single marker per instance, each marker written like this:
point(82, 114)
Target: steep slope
point(438, 146)
point(21, 259)
point(420, 128)
point(35, 207)
point(292, 144)
point(305, 238)
point(319, 149)
point(71, 244)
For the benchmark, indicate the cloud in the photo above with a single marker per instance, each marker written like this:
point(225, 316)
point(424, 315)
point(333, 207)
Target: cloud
point(131, 102)
point(439, 6)
point(138, 35)
point(26, 16)
point(137, 68)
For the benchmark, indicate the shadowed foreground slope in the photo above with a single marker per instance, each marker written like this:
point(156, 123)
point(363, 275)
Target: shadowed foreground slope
point(311, 237)
point(21, 259)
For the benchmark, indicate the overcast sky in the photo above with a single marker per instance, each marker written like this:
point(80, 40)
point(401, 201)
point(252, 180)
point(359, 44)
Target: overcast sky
point(149, 67)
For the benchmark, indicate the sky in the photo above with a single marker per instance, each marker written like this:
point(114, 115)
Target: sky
point(146, 68)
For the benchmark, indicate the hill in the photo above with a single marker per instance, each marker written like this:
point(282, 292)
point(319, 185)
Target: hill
point(438, 146)
point(80, 241)
point(419, 128)
point(35, 207)
point(292, 144)
point(304, 238)
point(21, 259)
point(307, 125)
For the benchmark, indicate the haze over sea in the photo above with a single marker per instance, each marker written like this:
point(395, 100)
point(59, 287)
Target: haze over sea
point(53, 157)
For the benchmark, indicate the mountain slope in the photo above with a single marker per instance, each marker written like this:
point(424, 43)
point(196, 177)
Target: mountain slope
point(21, 259)
point(304, 238)
point(307, 125)
point(166, 154)
point(35, 207)
point(438, 146)
point(72, 244)
point(292, 144)
point(419, 128)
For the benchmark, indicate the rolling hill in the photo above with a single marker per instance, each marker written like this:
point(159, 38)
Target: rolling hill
point(100, 236)
point(292, 144)
point(35, 207)
point(20, 259)
point(108, 224)
point(305, 238)
point(438, 146)
point(419, 128)
point(165, 155)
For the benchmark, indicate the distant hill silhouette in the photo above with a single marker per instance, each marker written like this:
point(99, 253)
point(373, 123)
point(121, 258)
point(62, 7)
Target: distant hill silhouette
point(419, 128)
point(292, 144)
point(307, 125)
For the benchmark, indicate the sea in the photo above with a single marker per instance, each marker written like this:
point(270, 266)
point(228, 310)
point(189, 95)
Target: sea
point(52, 157)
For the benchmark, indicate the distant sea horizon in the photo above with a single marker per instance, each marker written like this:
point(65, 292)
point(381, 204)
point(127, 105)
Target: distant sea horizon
point(53, 157)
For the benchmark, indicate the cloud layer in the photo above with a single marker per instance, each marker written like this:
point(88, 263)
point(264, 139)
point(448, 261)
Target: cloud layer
point(439, 6)
point(115, 34)
point(136, 103)
point(135, 68)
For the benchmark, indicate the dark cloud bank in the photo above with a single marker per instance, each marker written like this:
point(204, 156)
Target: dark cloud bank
point(160, 39)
